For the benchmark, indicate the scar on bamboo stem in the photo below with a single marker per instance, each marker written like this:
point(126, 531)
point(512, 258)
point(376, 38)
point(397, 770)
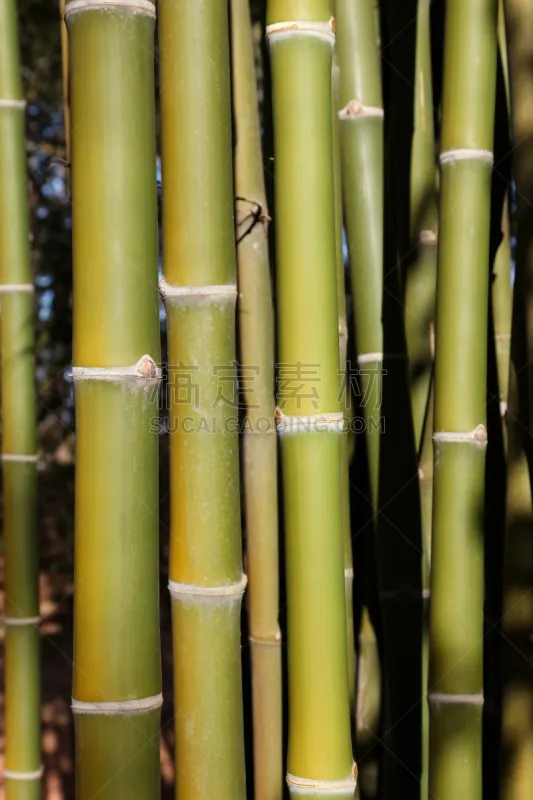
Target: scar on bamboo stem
point(259, 215)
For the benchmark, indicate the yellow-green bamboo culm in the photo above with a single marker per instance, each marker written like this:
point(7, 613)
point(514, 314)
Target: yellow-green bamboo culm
point(117, 665)
point(22, 768)
point(456, 616)
point(420, 278)
point(310, 421)
point(259, 443)
point(64, 65)
point(199, 288)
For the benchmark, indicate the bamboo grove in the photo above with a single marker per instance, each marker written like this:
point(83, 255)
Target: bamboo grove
point(311, 349)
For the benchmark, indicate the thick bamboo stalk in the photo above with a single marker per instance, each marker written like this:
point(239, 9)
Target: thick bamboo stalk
point(22, 770)
point(421, 269)
point(199, 266)
point(456, 618)
point(301, 38)
point(117, 670)
point(256, 324)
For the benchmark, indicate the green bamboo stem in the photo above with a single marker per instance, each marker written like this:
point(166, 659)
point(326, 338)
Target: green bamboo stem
point(22, 771)
point(64, 64)
point(346, 398)
point(368, 703)
point(517, 619)
point(117, 670)
point(199, 287)
point(519, 26)
point(361, 126)
point(456, 618)
point(420, 276)
point(426, 475)
point(502, 302)
point(319, 760)
point(256, 322)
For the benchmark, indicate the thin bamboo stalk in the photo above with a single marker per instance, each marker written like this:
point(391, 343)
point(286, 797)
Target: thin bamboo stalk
point(346, 397)
point(64, 64)
point(517, 619)
point(199, 266)
point(22, 771)
point(420, 278)
point(456, 617)
point(361, 125)
point(502, 302)
point(117, 668)
point(301, 38)
point(256, 328)
point(426, 506)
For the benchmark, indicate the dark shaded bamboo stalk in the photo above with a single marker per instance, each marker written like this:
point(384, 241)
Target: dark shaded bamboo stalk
point(456, 619)
point(22, 769)
point(199, 288)
point(256, 328)
point(117, 665)
point(310, 420)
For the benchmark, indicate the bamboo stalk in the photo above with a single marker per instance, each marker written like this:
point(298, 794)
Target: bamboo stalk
point(256, 320)
point(502, 302)
point(420, 275)
point(456, 617)
point(199, 267)
point(361, 126)
point(517, 619)
point(64, 64)
point(117, 669)
point(426, 476)
point(346, 398)
point(310, 420)
point(22, 769)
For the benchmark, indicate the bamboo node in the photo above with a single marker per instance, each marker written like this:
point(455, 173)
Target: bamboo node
point(466, 154)
point(12, 102)
point(275, 642)
point(15, 622)
point(18, 775)
point(284, 30)
point(478, 436)
point(503, 408)
point(139, 6)
point(170, 292)
point(342, 786)
point(120, 707)
point(458, 699)
point(230, 590)
point(11, 288)
point(144, 369)
point(428, 237)
point(356, 110)
point(314, 423)
point(20, 458)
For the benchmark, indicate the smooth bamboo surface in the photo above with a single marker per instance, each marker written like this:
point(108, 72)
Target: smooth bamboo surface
point(19, 477)
point(319, 749)
point(199, 251)
point(116, 325)
point(259, 448)
point(456, 617)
